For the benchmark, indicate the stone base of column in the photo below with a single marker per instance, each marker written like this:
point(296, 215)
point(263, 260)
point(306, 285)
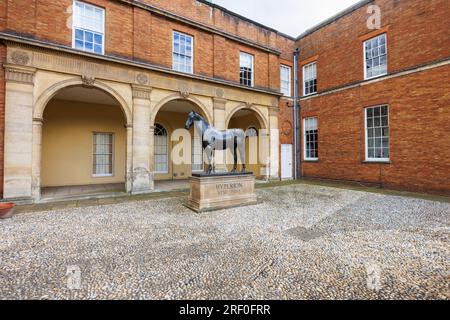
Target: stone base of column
point(142, 181)
point(36, 193)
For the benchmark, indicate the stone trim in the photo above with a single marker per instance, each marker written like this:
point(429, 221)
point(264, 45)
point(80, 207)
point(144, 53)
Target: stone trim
point(19, 57)
point(273, 112)
point(141, 92)
point(88, 81)
point(19, 74)
point(219, 103)
point(60, 53)
point(142, 79)
point(264, 121)
point(362, 83)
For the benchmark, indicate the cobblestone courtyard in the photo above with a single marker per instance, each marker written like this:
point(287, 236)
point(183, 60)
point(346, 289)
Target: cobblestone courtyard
point(300, 242)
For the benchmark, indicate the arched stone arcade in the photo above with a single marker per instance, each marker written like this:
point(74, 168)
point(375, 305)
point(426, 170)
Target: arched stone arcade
point(79, 139)
point(170, 115)
point(57, 114)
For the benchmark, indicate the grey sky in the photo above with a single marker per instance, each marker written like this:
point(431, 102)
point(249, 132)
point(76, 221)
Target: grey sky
point(288, 16)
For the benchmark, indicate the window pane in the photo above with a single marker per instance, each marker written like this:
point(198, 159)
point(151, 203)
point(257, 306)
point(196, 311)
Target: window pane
point(88, 22)
point(89, 36)
point(79, 44)
point(182, 53)
point(377, 142)
point(161, 155)
point(98, 39)
point(310, 78)
point(285, 77)
point(311, 139)
point(246, 69)
point(103, 154)
point(79, 34)
point(375, 56)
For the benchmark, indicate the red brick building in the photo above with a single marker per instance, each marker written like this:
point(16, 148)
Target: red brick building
point(410, 82)
point(378, 115)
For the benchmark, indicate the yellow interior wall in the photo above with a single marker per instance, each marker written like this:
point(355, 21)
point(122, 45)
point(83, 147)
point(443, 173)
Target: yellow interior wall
point(175, 120)
point(172, 121)
point(244, 122)
point(67, 143)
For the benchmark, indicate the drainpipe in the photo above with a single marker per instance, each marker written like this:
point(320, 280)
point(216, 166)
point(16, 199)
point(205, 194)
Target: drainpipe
point(296, 122)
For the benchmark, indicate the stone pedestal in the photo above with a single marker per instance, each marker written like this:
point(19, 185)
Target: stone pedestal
point(220, 191)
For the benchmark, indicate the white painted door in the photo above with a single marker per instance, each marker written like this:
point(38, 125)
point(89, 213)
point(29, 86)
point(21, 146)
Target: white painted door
point(286, 161)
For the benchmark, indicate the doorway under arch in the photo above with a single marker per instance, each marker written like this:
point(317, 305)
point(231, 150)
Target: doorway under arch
point(253, 125)
point(83, 143)
point(172, 115)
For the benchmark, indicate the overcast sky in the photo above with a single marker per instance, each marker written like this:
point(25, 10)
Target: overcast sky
point(292, 17)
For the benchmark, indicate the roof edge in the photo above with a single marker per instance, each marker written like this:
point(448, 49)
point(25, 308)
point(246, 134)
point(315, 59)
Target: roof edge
point(334, 18)
point(237, 15)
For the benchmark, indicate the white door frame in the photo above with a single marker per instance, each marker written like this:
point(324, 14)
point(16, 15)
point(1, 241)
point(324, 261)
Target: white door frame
point(286, 160)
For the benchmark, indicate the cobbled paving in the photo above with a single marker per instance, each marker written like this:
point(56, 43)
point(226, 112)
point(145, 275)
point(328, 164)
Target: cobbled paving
point(299, 242)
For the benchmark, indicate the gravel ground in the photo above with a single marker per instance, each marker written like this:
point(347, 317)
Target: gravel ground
point(301, 242)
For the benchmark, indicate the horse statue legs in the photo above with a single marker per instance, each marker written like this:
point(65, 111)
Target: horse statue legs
point(209, 152)
point(241, 146)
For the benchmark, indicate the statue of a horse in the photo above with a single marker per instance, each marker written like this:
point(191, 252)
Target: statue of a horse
point(214, 139)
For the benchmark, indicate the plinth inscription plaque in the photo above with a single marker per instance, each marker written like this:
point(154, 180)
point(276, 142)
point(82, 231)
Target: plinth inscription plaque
point(219, 191)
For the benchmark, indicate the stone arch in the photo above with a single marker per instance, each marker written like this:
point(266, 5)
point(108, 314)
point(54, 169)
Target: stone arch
point(50, 92)
point(262, 120)
point(179, 96)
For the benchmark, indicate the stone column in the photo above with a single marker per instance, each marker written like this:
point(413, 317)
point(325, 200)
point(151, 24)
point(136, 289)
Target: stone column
point(274, 144)
point(219, 123)
point(37, 159)
point(18, 132)
point(142, 177)
point(129, 159)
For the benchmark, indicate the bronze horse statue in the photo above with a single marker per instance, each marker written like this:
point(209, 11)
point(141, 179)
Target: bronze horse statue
point(213, 139)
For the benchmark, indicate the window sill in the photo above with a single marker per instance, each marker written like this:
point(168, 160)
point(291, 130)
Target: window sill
point(311, 160)
point(374, 77)
point(102, 175)
point(309, 95)
point(376, 162)
point(90, 52)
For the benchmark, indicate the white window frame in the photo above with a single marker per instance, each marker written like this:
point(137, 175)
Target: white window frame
point(173, 51)
point(367, 135)
point(365, 57)
point(289, 89)
point(168, 150)
point(304, 78)
point(103, 175)
point(74, 27)
point(241, 53)
point(305, 157)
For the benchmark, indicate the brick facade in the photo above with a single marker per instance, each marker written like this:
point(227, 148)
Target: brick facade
point(418, 101)
point(414, 89)
point(137, 33)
